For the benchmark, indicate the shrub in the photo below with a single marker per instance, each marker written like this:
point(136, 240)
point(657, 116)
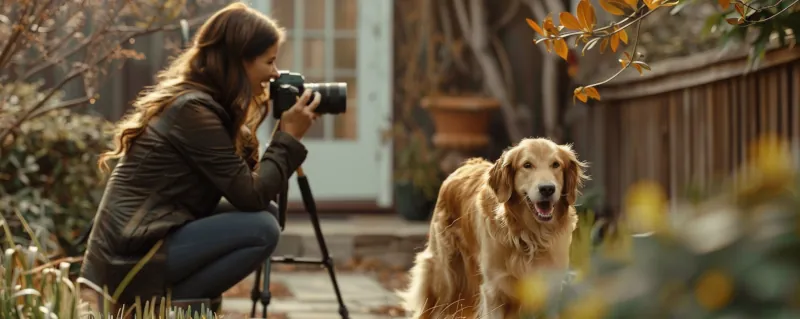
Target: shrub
point(49, 174)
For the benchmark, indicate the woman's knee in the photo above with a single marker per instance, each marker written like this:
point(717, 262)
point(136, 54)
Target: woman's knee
point(269, 231)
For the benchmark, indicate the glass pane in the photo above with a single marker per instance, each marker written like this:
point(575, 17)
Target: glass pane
point(346, 124)
point(284, 13)
point(317, 130)
point(345, 53)
point(314, 14)
point(286, 55)
point(346, 14)
point(314, 54)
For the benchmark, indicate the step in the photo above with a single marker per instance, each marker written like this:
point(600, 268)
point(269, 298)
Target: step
point(388, 240)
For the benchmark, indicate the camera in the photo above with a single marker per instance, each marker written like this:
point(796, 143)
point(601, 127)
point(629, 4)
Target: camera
point(285, 90)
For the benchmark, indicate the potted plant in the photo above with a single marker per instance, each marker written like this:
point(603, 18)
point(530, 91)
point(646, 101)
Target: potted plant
point(417, 176)
point(456, 97)
point(461, 120)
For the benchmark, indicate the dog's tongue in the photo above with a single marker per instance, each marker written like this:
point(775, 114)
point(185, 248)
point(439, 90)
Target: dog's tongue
point(544, 208)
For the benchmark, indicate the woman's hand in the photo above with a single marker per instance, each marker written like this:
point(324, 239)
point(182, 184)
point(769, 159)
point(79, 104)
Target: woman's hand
point(296, 120)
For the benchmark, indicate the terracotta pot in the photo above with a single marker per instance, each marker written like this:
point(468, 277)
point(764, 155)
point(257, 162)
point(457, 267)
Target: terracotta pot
point(461, 122)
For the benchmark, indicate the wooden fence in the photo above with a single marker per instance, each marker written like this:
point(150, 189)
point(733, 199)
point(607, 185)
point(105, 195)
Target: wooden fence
point(690, 122)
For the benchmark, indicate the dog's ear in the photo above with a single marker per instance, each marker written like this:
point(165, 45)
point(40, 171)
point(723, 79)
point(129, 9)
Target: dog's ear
point(574, 175)
point(501, 176)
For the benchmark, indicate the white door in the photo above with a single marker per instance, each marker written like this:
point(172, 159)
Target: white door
point(342, 41)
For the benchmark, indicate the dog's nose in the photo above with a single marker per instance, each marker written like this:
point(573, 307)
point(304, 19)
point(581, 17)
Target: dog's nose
point(547, 189)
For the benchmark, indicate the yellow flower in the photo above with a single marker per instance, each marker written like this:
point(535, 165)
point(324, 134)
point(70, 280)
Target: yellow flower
point(770, 170)
point(533, 292)
point(645, 205)
point(714, 290)
point(772, 158)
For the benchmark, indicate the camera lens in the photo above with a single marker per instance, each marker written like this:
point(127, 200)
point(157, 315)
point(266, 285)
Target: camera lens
point(334, 97)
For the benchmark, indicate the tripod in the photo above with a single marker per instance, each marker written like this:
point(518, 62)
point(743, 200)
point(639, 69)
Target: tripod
point(265, 296)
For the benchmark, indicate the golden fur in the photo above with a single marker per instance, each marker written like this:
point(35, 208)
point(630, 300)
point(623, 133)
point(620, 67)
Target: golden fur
point(485, 236)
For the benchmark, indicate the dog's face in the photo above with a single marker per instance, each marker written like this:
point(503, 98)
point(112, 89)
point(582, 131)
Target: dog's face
point(540, 174)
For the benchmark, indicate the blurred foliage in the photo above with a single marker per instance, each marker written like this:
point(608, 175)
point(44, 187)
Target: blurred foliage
point(34, 287)
point(590, 199)
point(49, 173)
point(736, 254)
point(754, 22)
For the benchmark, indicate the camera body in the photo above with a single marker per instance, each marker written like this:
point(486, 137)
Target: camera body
point(285, 90)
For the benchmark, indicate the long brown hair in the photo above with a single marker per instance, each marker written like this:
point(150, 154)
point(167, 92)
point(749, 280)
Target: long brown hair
point(213, 64)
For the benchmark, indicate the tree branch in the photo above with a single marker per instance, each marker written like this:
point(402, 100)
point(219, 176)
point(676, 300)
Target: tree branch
point(493, 79)
point(19, 27)
point(35, 109)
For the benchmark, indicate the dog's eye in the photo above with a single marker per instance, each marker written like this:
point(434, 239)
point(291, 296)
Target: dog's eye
point(556, 165)
point(527, 165)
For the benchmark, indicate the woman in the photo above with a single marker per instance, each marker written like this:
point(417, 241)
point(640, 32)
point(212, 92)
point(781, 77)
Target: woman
point(188, 144)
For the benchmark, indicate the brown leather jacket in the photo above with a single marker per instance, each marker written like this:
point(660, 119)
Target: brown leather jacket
point(175, 172)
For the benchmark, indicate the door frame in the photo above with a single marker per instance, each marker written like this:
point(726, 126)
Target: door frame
point(375, 59)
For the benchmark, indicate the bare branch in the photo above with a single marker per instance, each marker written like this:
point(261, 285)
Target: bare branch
point(491, 71)
point(132, 32)
point(18, 28)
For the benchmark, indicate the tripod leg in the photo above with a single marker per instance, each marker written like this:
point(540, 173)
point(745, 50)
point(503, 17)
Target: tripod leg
point(266, 294)
point(308, 201)
point(254, 294)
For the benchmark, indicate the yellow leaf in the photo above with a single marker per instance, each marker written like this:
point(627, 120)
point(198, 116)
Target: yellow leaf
point(632, 3)
point(580, 94)
point(586, 15)
point(561, 48)
point(724, 4)
point(624, 63)
point(592, 93)
point(548, 44)
point(652, 4)
point(670, 4)
point(739, 9)
point(638, 68)
point(734, 21)
point(535, 26)
point(611, 7)
point(569, 21)
point(548, 26)
point(614, 42)
point(603, 45)
point(642, 65)
point(623, 35)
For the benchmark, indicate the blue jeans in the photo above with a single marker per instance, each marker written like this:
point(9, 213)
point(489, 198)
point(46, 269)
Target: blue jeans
point(208, 256)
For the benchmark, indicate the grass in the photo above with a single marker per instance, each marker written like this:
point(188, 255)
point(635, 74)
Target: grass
point(32, 286)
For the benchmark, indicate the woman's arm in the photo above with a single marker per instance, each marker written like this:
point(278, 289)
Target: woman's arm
point(198, 132)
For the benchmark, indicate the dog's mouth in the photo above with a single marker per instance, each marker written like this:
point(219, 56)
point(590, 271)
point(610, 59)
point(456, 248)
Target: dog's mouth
point(543, 209)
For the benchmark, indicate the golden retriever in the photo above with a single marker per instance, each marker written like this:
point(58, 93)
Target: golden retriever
point(493, 224)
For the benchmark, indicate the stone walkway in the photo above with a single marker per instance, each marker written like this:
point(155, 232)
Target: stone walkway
point(314, 298)
point(388, 241)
